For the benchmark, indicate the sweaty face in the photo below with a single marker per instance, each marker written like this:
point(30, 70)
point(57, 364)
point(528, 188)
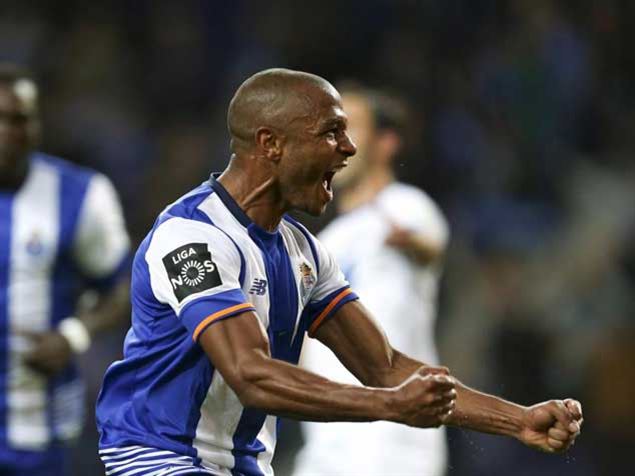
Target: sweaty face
point(18, 124)
point(316, 148)
point(361, 128)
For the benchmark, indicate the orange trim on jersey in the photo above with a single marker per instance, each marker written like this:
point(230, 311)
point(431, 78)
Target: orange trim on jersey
point(217, 315)
point(318, 320)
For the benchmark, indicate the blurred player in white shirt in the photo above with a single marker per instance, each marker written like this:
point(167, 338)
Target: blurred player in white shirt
point(389, 240)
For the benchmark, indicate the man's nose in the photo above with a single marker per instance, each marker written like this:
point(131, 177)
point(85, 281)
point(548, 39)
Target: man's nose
point(347, 146)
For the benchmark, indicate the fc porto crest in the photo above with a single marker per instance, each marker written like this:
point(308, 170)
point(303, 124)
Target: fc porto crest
point(191, 270)
point(35, 246)
point(307, 281)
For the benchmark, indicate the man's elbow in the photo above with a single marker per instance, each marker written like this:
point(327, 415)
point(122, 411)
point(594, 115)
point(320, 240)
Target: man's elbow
point(251, 396)
point(427, 253)
point(246, 381)
point(381, 374)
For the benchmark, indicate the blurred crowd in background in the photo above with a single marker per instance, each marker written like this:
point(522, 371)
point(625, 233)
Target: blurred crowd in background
point(524, 132)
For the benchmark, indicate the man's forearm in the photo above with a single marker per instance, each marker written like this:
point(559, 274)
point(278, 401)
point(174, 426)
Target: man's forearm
point(474, 410)
point(422, 252)
point(110, 310)
point(286, 390)
point(486, 413)
point(362, 347)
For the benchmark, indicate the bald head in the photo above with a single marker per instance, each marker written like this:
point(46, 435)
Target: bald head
point(273, 98)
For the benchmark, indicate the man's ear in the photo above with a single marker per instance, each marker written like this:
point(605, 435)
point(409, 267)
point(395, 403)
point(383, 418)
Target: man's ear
point(270, 143)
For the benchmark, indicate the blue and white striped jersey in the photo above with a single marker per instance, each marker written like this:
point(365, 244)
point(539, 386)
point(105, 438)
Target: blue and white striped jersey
point(164, 405)
point(61, 232)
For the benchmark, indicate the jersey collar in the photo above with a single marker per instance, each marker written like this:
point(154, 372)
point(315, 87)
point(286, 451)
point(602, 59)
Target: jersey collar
point(235, 209)
point(228, 200)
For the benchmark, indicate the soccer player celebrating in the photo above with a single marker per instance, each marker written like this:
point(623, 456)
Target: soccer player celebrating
point(395, 269)
point(224, 288)
point(61, 232)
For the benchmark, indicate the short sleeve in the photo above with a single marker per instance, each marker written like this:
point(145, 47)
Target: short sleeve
point(196, 269)
point(101, 247)
point(415, 210)
point(331, 292)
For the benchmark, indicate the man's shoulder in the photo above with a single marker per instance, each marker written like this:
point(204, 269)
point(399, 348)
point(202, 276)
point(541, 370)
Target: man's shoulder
point(187, 206)
point(398, 193)
point(65, 168)
point(184, 221)
point(343, 226)
point(401, 198)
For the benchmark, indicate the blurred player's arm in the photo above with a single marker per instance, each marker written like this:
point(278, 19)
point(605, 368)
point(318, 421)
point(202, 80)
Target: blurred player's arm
point(238, 347)
point(417, 246)
point(101, 251)
point(52, 350)
point(420, 231)
point(106, 310)
point(363, 348)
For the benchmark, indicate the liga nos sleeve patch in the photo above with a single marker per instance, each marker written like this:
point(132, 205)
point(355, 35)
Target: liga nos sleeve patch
point(191, 270)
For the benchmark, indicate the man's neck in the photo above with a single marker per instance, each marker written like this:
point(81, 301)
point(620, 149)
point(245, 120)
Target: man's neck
point(255, 194)
point(364, 191)
point(13, 181)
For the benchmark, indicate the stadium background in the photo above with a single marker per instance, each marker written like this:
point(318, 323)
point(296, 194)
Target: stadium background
point(523, 131)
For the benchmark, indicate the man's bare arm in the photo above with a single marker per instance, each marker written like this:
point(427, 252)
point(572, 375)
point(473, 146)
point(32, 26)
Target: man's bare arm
point(239, 349)
point(363, 348)
point(418, 247)
point(51, 351)
point(361, 345)
point(110, 311)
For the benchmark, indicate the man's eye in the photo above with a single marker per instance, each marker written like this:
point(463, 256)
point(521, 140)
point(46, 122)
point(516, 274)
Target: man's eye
point(331, 134)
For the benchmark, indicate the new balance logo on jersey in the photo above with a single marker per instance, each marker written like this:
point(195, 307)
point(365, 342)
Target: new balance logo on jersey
point(191, 270)
point(258, 287)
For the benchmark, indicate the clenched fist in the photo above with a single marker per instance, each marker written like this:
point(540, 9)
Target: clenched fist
point(552, 426)
point(426, 399)
point(50, 352)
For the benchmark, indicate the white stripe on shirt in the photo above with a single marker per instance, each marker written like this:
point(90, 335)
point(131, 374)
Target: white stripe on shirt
point(30, 303)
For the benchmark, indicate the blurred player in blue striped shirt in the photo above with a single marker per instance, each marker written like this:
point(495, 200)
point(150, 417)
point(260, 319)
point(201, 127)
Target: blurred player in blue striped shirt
point(61, 233)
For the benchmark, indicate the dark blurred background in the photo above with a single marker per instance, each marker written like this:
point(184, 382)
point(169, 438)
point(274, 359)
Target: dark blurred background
point(524, 132)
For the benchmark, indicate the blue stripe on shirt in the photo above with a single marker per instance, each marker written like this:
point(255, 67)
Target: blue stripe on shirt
point(65, 279)
point(309, 239)
point(283, 312)
point(6, 205)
